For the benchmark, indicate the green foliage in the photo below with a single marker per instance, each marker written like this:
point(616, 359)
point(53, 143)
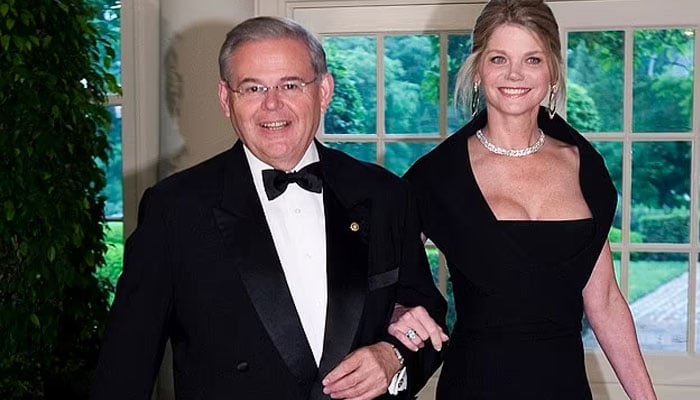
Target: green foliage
point(114, 257)
point(581, 111)
point(662, 102)
point(596, 62)
point(672, 100)
point(409, 105)
point(612, 154)
point(113, 191)
point(661, 174)
point(671, 227)
point(615, 236)
point(346, 110)
point(434, 260)
point(401, 155)
point(353, 63)
point(663, 80)
point(54, 76)
point(458, 49)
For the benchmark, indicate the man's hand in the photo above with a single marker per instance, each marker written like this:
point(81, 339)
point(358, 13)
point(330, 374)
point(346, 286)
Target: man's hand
point(364, 374)
point(414, 326)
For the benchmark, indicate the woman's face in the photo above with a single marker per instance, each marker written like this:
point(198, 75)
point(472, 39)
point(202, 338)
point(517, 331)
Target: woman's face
point(514, 72)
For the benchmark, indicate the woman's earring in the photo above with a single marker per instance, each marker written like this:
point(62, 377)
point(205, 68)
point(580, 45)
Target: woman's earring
point(552, 106)
point(475, 99)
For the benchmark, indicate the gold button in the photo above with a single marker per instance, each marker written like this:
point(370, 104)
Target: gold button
point(354, 227)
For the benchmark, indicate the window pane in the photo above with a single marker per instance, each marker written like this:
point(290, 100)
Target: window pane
point(114, 239)
point(361, 151)
point(612, 153)
point(114, 205)
point(661, 191)
point(412, 84)
point(458, 49)
point(659, 300)
point(400, 156)
point(352, 60)
point(663, 80)
point(595, 81)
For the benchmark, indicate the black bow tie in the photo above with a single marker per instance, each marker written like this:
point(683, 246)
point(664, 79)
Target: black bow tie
point(308, 178)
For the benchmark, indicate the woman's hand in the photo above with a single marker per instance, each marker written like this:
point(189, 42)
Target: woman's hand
point(414, 326)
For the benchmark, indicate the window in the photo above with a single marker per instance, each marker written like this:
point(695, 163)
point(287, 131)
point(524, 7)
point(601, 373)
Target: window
point(404, 71)
point(650, 138)
point(632, 91)
point(656, 220)
point(135, 127)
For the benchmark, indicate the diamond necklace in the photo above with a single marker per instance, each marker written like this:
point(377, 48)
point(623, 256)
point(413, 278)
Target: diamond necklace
point(511, 152)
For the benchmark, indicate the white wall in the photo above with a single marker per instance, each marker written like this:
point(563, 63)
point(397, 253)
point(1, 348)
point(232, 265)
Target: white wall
point(171, 118)
point(192, 127)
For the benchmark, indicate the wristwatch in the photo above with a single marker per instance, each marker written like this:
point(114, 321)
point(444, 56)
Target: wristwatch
point(398, 355)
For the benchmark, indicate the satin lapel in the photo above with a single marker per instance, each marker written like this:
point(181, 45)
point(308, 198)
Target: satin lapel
point(249, 243)
point(347, 233)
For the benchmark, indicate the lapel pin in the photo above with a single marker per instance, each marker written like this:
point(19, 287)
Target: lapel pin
point(354, 227)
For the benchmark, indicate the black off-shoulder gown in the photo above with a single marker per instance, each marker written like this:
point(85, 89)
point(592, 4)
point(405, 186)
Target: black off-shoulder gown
point(517, 284)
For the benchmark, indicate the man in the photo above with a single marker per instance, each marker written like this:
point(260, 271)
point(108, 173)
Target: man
point(271, 285)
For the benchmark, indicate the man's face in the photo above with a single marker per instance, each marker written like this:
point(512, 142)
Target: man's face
point(277, 126)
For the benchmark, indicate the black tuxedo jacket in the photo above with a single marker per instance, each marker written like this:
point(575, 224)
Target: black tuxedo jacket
point(201, 269)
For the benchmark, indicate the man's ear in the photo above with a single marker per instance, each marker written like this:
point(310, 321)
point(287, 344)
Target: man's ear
point(327, 86)
point(225, 98)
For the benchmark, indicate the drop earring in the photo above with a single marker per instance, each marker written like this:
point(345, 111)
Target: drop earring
point(552, 106)
point(475, 99)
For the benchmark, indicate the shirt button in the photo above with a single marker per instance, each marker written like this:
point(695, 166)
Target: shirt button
point(297, 211)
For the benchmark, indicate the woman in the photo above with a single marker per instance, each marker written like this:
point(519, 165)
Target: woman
point(521, 205)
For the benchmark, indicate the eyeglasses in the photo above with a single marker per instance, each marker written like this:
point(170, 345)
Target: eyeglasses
point(290, 88)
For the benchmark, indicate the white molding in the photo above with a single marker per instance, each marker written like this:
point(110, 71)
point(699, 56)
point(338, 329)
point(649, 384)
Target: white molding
point(601, 14)
point(140, 86)
point(411, 16)
point(675, 376)
point(340, 19)
point(269, 7)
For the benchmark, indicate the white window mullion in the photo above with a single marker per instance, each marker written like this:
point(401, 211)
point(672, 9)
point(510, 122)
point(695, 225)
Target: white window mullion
point(444, 89)
point(627, 125)
point(381, 101)
point(694, 205)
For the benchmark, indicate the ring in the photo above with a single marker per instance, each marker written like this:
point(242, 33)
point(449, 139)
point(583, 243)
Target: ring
point(411, 334)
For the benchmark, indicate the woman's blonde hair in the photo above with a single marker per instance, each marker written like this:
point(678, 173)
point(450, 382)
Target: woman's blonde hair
point(533, 15)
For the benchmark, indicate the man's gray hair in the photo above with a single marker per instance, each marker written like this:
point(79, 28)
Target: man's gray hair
point(263, 28)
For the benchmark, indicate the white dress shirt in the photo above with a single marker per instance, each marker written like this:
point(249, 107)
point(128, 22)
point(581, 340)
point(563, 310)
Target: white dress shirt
point(298, 225)
point(297, 222)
